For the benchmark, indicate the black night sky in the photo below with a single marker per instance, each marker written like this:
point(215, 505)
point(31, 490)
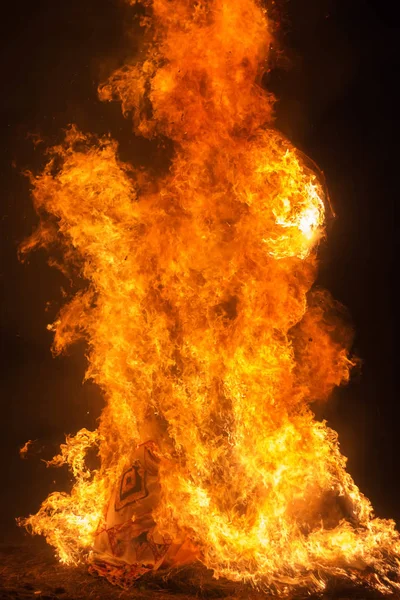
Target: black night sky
point(338, 102)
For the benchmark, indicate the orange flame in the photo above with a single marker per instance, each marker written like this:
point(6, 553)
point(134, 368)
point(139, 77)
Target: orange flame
point(24, 450)
point(201, 327)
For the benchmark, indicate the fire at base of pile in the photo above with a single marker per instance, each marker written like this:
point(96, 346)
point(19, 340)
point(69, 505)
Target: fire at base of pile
point(131, 545)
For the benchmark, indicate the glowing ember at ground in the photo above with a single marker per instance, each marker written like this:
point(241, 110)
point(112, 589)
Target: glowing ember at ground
point(203, 329)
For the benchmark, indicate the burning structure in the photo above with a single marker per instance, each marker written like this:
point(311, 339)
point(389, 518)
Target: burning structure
point(203, 329)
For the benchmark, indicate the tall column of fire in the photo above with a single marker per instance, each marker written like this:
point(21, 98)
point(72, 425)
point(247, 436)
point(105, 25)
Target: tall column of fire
point(202, 326)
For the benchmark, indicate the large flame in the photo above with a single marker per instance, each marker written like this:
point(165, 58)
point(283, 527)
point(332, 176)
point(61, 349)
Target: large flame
point(201, 327)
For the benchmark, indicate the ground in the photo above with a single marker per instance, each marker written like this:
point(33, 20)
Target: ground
point(28, 570)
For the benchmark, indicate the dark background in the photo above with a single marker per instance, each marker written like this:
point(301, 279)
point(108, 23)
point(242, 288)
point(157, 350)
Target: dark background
point(338, 103)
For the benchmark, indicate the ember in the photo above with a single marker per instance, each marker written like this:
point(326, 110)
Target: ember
point(203, 329)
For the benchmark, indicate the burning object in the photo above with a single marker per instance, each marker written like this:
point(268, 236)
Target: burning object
point(130, 544)
point(203, 329)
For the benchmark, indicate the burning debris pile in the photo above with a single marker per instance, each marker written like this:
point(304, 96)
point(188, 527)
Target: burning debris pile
point(203, 329)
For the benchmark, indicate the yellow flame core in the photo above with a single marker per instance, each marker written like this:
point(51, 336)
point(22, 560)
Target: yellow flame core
point(202, 330)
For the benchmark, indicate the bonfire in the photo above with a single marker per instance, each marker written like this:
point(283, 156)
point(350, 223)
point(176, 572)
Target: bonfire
point(203, 328)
